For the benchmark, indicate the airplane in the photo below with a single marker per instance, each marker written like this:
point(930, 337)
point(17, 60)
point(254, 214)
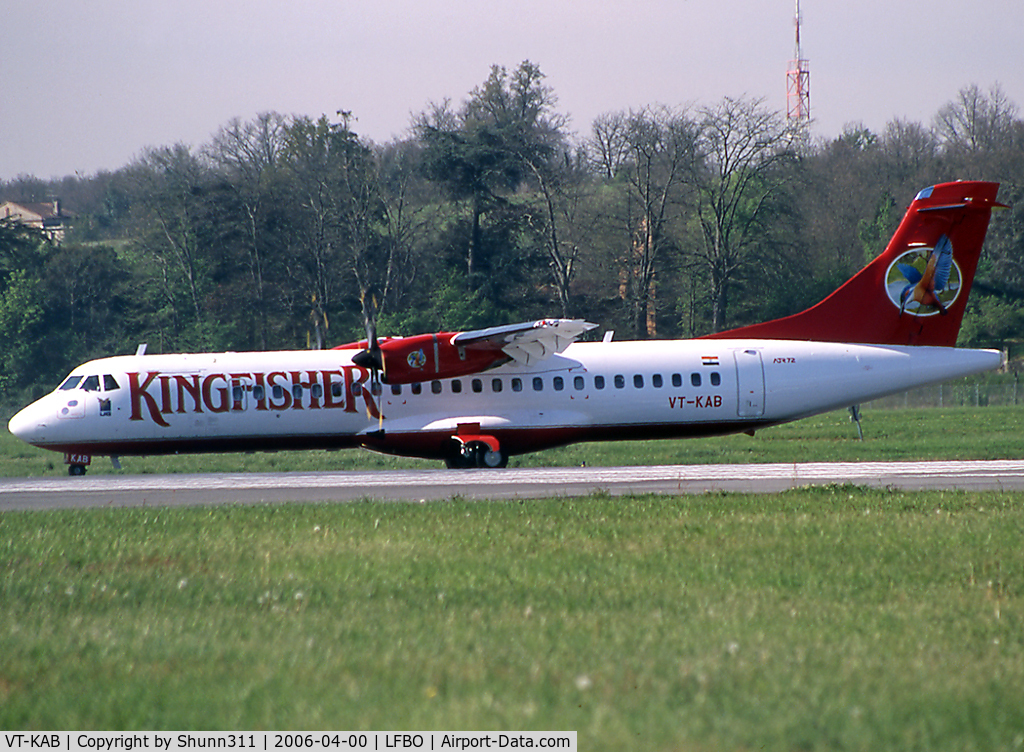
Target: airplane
point(477, 398)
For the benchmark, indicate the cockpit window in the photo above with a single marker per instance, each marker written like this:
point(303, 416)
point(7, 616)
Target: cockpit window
point(91, 384)
point(70, 382)
point(110, 383)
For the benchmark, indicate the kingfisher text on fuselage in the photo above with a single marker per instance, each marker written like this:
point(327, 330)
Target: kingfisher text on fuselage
point(154, 394)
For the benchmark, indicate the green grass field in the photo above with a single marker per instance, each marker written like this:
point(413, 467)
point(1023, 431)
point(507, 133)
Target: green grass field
point(923, 433)
point(827, 619)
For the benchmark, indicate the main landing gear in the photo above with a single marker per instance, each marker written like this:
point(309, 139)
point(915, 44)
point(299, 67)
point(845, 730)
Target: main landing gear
point(474, 454)
point(76, 470)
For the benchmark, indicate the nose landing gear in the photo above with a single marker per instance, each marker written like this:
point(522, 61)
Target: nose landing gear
point(77, 463)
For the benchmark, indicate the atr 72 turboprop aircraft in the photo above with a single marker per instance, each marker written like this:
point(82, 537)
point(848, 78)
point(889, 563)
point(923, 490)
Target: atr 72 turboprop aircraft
point(476, 398)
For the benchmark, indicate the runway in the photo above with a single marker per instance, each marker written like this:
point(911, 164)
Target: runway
point(518, 483)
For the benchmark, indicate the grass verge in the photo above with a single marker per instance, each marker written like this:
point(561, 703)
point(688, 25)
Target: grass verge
point(820, 619)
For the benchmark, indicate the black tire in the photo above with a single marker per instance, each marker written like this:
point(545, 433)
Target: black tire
point(491, 459)
point(76, 470)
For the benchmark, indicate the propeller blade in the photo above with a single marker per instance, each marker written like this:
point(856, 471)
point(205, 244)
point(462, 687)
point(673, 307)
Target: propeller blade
point(372, 358)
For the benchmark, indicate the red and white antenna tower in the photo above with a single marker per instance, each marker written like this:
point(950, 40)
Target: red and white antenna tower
point(798, 80)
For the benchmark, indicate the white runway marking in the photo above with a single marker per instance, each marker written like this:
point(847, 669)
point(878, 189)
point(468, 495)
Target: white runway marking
point(518, 483)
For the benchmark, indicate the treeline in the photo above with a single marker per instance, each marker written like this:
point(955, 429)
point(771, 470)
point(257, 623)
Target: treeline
point(282, 230)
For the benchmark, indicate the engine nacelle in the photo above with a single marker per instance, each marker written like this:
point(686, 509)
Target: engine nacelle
point(433, 356)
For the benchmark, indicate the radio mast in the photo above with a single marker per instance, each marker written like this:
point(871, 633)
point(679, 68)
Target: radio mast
point(798, 80)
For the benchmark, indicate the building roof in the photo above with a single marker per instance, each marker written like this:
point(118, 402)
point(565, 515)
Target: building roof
point(44, 210)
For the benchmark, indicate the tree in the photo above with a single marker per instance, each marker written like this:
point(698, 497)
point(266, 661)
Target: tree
point(506, 131)
point(405, 200)
point(171, 208)
point(564, 186)
point(347, 226)
point(910, 151)
point(661, 144)
point(312, 263)
point(742, 148)
point(249, 156)
point(23, 251)
point(976, 121)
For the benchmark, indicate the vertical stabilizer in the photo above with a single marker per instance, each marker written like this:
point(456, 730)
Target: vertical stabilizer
point(916, 291)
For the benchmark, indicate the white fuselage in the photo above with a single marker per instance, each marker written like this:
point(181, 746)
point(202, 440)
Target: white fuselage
point(154, 404)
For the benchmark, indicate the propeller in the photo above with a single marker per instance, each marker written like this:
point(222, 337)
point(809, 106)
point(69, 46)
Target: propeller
point(372, 358)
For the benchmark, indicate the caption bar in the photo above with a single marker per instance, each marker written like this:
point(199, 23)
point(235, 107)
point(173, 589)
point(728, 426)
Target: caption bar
point(124, 741)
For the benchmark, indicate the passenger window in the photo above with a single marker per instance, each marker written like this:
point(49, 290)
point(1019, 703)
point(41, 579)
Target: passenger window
point(336, 389)
point(258, 393)
point(435, 387)
point(517, 385)
point(656, 381)
point(297, 392)
point(538, 383)
point(278, 392)
point(599, 382)
point(375, 388)
point(70, 383)
point(495, 385)
point(91, 384)
point(638, 381)
point(578, 383)
point(677, 379)
point(558, 383)
point(478, 386)
point(716, 378)
point(620, 381)
point(456, 386)
point(417, 388)
point(317, 391)
point(110, 383)
point(695, 379)
point(237, 393)
point(396, 389)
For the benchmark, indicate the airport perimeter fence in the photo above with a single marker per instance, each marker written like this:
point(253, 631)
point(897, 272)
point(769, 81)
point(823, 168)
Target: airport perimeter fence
point(1002, 391)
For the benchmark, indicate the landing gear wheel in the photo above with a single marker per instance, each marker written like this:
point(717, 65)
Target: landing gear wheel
point(453, 456)
point(488, 458)
point(75, 470)
point(474, 454)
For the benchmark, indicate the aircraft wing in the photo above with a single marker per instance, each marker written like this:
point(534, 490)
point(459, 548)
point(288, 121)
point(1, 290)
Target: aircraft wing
point(528, 342)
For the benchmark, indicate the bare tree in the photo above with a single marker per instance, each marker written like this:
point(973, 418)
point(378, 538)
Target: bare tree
point(909, 148)
point(171, 184)
point(609, 143)
point(250, 156)
point(660, 147)
point(976, 121)
point(741, 145)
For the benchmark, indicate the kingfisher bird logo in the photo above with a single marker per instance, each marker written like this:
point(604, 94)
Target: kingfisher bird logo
point(924, 281)
point(417, 359)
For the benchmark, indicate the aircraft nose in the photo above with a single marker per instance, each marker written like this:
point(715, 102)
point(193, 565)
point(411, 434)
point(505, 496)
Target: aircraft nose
point(29, 425)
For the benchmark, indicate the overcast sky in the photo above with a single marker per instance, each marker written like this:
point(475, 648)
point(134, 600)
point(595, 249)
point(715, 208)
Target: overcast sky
point(88, 85)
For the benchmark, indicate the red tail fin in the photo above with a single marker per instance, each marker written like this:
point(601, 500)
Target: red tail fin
point(915, 292)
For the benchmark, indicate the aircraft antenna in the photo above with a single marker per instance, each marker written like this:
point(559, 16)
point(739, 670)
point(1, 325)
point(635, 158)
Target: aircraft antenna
point(798, 79)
